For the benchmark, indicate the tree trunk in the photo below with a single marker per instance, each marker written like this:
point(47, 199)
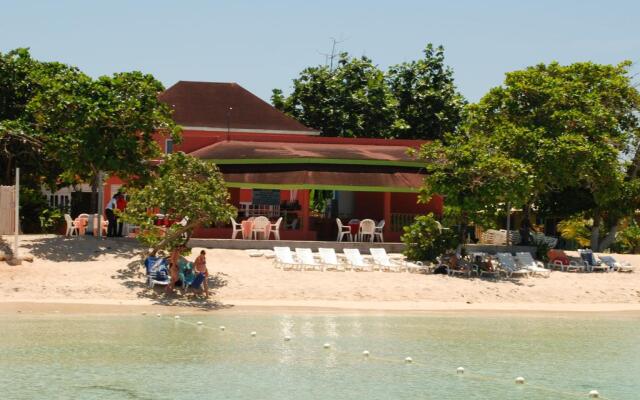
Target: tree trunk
point(462, 232)
point(609, 239)
point(187, 228)
point(595, 230)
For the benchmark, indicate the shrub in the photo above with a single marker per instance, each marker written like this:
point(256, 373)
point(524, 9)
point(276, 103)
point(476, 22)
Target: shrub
point(628, 239)
point(425, 239)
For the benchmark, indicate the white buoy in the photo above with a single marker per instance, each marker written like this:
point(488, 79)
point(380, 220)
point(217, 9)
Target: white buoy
point(408, 360)
point(327, 345)
point(594, 394)
point(460, 370)
point(365, 353)
point(199, 322)
point(520, 380)
point(287, 338)
point(222, 327)
point(253, 333)
point(158, 315)
point(177, 317)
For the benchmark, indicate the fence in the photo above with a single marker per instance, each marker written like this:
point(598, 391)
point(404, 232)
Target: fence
point(7, 210)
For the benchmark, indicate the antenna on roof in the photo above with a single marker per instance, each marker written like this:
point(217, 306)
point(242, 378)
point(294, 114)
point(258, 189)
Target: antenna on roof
point(229, 123)
point(329, 57)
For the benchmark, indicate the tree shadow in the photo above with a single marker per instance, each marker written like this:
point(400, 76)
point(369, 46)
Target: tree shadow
point(133, 276)
point(78, 249)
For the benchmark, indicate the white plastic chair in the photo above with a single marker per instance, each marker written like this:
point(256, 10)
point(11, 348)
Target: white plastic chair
point(71, 229)
point(329, 259)
point(343, 230)
point(307, 261)
point(615, 265)
point(292, 226)
point(237, 228)
point(367, 228)
point(284, 258)
point(378, 232)
point(356, 261)
point(508, 265)
point(259, 227)
point(275, 229)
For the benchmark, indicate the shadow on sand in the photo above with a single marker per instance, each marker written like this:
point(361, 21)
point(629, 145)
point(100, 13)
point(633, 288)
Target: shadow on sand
point(79, 248)
point(134, 277)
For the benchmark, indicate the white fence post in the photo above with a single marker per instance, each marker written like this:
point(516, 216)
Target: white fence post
point(17, 214)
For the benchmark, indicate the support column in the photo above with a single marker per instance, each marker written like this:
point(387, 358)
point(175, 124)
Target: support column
point(387, 212)
point(303, 196)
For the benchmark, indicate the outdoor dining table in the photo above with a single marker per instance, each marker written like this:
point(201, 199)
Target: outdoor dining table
point(247, 229)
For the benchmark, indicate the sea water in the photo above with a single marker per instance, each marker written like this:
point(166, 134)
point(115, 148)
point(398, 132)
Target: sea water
point(149, 357)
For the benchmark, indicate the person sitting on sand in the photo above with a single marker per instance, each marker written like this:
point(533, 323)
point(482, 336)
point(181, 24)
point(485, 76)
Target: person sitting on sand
point(174, 270)
point(200, 265)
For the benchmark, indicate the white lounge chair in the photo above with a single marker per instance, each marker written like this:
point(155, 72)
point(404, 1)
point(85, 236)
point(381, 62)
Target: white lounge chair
point(590, 262)
point(306, 259)
point(526, 261)
point(615, 265)
point(237, 228)
point(71, 228)
point(343, 231)
point(382, 260)
point(367, 230)
point(329, 259)
point(275, 229)
point(356, 261)
point(508, 265)
point(284, 258)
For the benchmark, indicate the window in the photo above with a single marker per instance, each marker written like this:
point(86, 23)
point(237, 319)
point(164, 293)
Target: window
point(168, 146)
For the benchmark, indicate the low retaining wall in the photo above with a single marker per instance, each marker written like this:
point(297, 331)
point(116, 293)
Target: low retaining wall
point(240, 244)
point(493, 249)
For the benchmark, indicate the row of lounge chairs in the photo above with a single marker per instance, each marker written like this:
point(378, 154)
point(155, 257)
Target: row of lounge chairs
point(481, 264)
point(588, 262)
point(327, 260)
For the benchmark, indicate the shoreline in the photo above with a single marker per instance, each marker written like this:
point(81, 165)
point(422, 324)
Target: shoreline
point(75, 306)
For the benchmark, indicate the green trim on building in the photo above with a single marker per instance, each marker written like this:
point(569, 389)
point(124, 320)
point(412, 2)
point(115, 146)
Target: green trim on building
point(244, 185)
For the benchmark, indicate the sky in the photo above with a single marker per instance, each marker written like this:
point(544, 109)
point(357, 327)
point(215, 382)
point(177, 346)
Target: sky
point(265, 44)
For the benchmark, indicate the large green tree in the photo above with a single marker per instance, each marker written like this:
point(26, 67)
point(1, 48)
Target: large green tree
point(180, 187)
point(552, 131)
point(415, 100)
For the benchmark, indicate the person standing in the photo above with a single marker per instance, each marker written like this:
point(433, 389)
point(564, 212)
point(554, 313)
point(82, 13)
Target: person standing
point(121, 204)
point(200, 265)
point(111, 216)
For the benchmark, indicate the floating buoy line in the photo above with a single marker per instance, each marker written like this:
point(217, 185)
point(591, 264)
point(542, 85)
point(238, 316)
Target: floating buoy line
point(520, 381)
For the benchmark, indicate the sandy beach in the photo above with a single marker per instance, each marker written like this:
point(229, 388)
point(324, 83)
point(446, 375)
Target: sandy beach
point(86, 274)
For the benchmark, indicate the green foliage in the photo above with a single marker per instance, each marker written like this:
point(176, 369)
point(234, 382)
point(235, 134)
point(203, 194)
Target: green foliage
point(549, 130)
point(542, 250)
point(50, 219)
point(425, 240)
point(357, 99)
point(576, 229)
point(182, 186)
point(628, 239)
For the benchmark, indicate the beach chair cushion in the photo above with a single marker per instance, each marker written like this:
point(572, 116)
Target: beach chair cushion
point(157, 268)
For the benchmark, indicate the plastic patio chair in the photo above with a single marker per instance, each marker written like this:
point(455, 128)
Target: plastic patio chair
point(378, 231)
point(367, 228)
point(237, 228)
point(275, 229)
point(343, 230)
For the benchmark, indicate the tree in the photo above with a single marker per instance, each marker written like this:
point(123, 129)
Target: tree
point(416, 100)
point(104, 125)
point(551, 129)
point(350, 100)
point(428, 101)
point(181, 187)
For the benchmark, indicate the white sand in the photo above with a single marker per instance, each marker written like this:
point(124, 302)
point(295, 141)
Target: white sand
point(108, 272)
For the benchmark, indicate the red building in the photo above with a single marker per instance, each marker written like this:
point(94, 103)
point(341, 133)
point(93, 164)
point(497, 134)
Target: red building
point(273, 165)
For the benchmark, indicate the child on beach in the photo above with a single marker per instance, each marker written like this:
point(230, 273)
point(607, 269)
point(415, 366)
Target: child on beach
point(174, 270)
point(200, 265)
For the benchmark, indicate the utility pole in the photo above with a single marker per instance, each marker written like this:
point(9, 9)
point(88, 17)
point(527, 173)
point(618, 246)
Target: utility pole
point(100, 205)
point(17, 215)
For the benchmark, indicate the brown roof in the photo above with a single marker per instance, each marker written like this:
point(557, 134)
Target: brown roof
point(206, 105)
point(238, 150)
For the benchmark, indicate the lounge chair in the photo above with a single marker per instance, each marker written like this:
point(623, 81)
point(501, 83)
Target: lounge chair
point(526, 261)
point(329, 260)
point(455, 265)
point(284, 258)
point(558, 259)
point(356, 261)
point(590, 262)
point(157, 271)
point(509, 266)
point(382, 259)
point(616, 266)
point(307, 261)
point(484, 264)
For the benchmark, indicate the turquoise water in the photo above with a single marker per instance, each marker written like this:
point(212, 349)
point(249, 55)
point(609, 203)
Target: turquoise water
point(149, 357)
